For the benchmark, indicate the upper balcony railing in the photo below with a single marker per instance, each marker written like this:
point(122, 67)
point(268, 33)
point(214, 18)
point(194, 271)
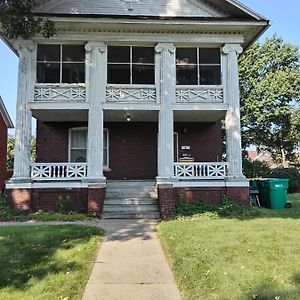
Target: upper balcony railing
point(131, 93)
point(59, 92)
point(199, 94)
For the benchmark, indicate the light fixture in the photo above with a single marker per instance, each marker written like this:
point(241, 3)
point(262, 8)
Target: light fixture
point(128, 118)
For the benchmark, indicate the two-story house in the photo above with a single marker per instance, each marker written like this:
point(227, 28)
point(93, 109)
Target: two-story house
point(132, 90)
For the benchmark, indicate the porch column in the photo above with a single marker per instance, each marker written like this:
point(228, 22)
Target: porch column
point(166, 80)
point(26, 80)
point(232, 120)
point(96, 91)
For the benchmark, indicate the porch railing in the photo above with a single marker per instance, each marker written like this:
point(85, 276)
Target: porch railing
point(200, 170)
point(58, 171)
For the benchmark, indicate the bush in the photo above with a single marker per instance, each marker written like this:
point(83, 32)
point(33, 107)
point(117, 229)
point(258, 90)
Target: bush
point(255, 168)
point(226, 209)
point(292, 174)
point(9, 214)
point(64, 204)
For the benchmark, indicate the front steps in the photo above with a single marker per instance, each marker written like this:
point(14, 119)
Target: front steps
point(131, 200)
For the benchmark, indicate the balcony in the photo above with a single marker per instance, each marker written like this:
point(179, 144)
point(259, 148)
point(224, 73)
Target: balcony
point(51, 92)
point(131, 94)
point(199, 94)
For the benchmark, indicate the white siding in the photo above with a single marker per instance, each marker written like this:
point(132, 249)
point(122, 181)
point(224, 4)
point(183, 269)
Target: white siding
point(162, 8)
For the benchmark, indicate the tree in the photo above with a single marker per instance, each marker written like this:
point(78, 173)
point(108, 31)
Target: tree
point(11, 148)
point(270, 89)
point(17, 20)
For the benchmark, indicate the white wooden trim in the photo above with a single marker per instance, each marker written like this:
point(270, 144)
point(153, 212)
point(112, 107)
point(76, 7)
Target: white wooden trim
point(213, 183)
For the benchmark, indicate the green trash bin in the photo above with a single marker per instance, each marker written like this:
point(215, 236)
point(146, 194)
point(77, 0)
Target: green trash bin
point(273, 192)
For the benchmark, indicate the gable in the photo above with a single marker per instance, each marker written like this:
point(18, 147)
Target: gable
point(4, 115)
point(153, 8)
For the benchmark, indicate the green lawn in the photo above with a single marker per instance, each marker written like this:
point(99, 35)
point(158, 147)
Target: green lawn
point(236, 258)
point(46, 261)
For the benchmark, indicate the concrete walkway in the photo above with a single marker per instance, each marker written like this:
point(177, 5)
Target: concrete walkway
point(131, 265)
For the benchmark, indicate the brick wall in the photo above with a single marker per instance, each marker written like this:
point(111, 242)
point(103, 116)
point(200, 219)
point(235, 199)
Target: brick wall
point(132, 146)
point(3, 152)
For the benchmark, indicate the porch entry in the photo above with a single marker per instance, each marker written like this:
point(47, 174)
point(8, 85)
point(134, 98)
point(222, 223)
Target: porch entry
point(132, 150)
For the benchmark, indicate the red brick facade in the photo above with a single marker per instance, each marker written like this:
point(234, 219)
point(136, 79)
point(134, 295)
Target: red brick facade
point(132, 146)
point(3, 152)
point(170, 197)
point(82, 199)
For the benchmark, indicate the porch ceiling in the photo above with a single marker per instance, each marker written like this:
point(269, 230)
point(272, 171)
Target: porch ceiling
point(135, 115)
point(60, 115)
point(198, 116)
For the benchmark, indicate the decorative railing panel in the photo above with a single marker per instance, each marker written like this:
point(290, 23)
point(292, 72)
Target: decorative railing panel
point(199, 94)
point(130, 94)
point(210, 170)
point(59, 92)
point(58, 171)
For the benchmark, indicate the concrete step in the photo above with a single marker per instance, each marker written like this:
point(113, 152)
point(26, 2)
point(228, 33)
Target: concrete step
point(126, 194)
point(130, 183)
point(130, 216)
point(132, 201)
point(130, 208)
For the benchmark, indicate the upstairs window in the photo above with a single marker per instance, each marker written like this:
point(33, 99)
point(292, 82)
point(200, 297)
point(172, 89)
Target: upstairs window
point(198, 66)
point(60, 64)
point(130, 65)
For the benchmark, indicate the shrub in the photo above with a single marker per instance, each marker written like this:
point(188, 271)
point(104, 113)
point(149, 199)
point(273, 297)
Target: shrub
point(64, 204)
point(255, 168)
point(292, 174)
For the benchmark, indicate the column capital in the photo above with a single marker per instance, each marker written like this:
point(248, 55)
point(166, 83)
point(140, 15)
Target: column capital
point(90, 46)
point(21, 45)
point(232, 48)
point(162, 47)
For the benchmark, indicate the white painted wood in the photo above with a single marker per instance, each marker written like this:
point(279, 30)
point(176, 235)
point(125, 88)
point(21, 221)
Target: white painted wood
point(232, 120)
point(196, 94)
point(166, 79)
point(167, 8)
point(26, 79)
point(130, 93)
point(58, 171)
point(96, 60)
point(200, 171)
point(59, 92)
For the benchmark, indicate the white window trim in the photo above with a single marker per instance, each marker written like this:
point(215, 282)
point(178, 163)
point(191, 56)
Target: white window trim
point(60, 62)
point(84, 128)
point(130, 63)
point(198, 65)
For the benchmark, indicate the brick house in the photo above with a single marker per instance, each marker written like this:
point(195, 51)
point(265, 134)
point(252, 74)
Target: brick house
point(129, 98)
point(5, 123)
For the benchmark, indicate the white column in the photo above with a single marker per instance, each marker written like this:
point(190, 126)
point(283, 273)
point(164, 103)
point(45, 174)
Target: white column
point(26, 80)
point(232, 120)
point(166, 80)
point(96, 91)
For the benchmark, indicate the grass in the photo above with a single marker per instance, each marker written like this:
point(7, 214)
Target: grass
point(46, 261)
point(250, 256)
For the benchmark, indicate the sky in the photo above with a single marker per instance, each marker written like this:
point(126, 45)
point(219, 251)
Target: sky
point(285, 21)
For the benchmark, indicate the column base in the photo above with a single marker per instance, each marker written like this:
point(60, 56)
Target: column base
point(165, 180)
point(101, 179)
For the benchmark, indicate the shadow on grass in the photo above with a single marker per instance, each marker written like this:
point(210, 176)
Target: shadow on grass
point(30, 252)
point(265, 291)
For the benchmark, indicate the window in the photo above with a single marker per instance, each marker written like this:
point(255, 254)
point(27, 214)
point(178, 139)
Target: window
point(198, 66)
point(130, 65)
point(78, 145)
point(60, 64)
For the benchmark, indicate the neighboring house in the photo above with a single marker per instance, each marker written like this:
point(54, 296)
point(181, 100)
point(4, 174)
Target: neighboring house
point(132, 90)
point(5, 123)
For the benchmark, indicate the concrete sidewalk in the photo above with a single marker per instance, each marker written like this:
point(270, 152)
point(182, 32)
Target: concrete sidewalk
point(131, 265)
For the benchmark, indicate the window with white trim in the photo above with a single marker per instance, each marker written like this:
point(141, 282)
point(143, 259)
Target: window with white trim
point(78, 145)
point(60, 64)
point(130, 65)
point(198, 66)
